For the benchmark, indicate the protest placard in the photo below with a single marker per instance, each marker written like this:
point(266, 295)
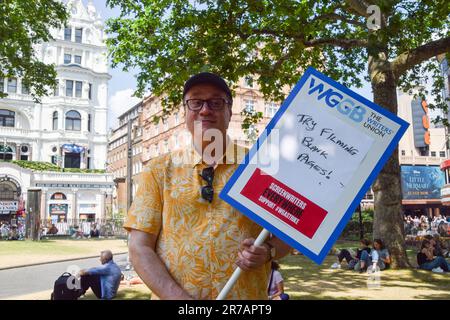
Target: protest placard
point(310, 168)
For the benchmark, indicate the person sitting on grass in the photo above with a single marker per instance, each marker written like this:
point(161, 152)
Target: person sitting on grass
point(94, 233)
point(379, 257)
point(53, 229)
point(428, 261)
point(104, 280)
point(364, 245)
point(439, 248)
point(276, 288)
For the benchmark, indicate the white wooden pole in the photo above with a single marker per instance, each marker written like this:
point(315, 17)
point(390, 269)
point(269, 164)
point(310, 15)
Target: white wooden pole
point(236, 274)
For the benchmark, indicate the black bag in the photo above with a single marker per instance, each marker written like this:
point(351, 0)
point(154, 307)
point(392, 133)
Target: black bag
point(61, 290)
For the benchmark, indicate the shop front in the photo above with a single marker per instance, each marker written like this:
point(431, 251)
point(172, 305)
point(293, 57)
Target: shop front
point(58, 207)
point(87, 212)
point(421, 190)
point(11, 203)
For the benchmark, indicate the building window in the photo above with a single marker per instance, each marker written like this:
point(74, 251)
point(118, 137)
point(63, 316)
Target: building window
point(25, 88)
point(424, 152)
point(68, 33)
point(88, 163)
point(166, 146)
point(177, 143)
point(54, 159)
point(77, 59)
point(403, 152)
point(248, 82)
point(156, 129)
point(433, 153)
point(270, 109)
point(67, 58)
point(166, 125)
point(7, 118)
point(90, 91)
point(89, 122)
point(72, 160)
point(78, 88)
point(177, 119)
point(55, 120)
point(69, 88)
point(12, 85)
point(78, 34)
point(73, 121)
point(249, 105)
point(2, 84)
point(442, 154)
point(56, 90)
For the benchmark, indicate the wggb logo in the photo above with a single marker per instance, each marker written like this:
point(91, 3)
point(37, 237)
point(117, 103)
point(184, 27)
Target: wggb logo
point(335, 99)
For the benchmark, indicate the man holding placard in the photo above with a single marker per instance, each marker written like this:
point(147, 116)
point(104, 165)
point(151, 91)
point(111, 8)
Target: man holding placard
point(185, 242)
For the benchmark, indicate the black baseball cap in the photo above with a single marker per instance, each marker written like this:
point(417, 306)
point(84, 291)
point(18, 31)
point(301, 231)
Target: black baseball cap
point(210, 78)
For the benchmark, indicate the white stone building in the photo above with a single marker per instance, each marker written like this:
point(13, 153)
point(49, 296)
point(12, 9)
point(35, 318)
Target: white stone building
point(68, 129)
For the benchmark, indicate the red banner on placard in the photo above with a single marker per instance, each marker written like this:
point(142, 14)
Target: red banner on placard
point(284, 203)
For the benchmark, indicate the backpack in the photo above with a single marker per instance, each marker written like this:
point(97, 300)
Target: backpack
point(63, 292)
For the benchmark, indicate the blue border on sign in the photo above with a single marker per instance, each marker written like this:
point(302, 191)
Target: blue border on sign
point(318, 258)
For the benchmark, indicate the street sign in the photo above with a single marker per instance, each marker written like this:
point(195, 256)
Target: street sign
point(308, 171)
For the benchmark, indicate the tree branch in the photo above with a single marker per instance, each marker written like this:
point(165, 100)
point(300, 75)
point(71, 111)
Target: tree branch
point(336, 17)
point(409, 59)
point(343, 43)
point(359, 6)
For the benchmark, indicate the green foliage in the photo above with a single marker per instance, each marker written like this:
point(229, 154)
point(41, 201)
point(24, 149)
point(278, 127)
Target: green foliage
point(37, 165)
point(273, 40)
point(47, 166)
point(25, 24)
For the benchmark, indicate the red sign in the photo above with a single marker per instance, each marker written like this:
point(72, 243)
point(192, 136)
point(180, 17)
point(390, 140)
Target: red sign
point(284, 203)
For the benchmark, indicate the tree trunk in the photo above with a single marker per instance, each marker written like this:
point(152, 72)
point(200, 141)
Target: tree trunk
point(388, 216)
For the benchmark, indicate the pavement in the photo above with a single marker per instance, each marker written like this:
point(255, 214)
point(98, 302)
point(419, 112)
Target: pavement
point(26, 280)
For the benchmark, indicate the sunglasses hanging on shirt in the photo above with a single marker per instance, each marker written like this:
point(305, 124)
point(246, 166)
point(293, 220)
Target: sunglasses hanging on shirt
point(208, 191)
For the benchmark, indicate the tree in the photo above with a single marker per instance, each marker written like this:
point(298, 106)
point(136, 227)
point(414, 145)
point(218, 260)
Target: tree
point(24, 24)
point(275, 40)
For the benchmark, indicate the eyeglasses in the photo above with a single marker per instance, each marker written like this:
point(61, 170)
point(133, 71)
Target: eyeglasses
point(208, 191)
point(214, 104)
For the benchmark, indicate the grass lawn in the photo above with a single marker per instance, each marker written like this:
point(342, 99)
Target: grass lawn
point(303, 279)
point(16, 253)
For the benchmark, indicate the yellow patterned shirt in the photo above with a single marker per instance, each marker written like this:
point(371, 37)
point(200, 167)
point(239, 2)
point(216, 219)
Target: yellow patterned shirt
point(197, 241)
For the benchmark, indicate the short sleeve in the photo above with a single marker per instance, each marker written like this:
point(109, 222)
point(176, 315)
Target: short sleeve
point(277, 278)
point(146, 211)
point(375, 256)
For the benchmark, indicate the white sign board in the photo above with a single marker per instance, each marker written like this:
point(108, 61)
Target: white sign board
point(7, 206)
point(309, 170)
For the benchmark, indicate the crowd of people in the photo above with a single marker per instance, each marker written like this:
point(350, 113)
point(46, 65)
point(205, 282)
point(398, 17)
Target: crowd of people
point(10, 231)
point(424, 225)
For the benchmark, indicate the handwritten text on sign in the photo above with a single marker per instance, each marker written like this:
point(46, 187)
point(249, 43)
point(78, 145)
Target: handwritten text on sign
point(326, 151)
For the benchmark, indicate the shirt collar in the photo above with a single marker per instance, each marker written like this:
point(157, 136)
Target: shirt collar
point(229, 150)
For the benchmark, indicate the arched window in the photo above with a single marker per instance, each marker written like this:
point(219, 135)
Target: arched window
point(7, 118)
point(73, 121)
point(58, 196)
point(55, 120)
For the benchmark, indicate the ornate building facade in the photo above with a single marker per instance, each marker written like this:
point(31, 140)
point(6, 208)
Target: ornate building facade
point(67, 129)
